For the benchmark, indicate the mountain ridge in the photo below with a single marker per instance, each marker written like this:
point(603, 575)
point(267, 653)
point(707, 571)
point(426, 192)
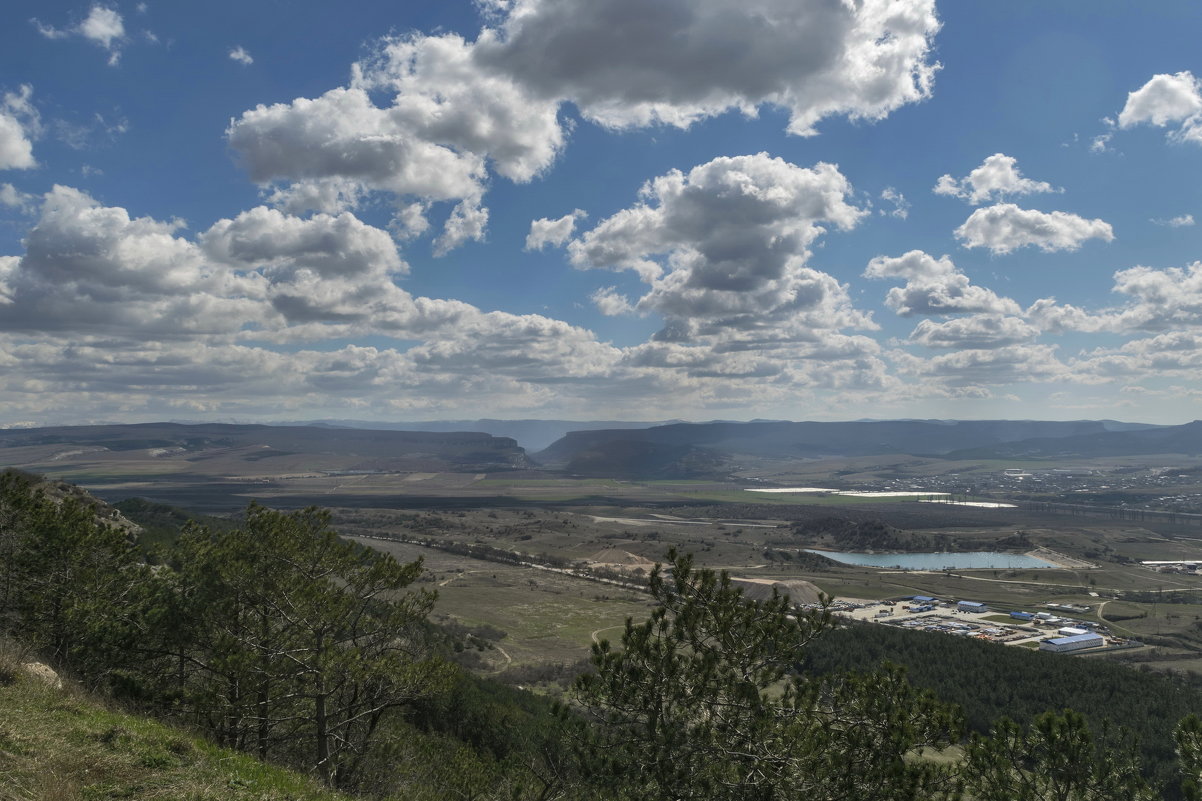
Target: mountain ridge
point(666, 450)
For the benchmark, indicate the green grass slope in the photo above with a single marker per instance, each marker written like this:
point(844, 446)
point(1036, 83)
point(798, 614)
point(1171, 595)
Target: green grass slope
point(62, 745)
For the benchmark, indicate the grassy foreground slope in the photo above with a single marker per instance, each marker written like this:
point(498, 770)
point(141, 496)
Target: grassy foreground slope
point(62, 745)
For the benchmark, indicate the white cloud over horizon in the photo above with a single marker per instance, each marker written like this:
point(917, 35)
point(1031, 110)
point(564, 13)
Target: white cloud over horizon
point(746, 206)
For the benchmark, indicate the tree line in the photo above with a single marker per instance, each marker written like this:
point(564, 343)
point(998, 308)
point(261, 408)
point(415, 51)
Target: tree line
point(277, 637)
point(987, 682)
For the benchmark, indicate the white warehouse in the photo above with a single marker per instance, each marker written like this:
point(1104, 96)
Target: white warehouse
point(1075, 643)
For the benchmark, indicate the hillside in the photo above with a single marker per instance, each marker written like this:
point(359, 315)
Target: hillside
point(60, 743)
point(637, 458)
point(220, 467)
point(1183, 439)
point(677, 450)
point(445, 734)
point(61, 491)
point(367, 449)
point(533, 435)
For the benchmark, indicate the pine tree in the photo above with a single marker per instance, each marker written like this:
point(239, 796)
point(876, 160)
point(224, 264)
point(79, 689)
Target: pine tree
point(67, 579)
point(1055, 759)
point(1188, 736)
point(295, 642)
point(703, 701)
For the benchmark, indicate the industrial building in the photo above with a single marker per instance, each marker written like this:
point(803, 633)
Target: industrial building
point(972, 606)
point(1076, 643)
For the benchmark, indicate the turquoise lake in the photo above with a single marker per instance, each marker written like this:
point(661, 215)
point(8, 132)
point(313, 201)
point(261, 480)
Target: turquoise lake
point(967, 560)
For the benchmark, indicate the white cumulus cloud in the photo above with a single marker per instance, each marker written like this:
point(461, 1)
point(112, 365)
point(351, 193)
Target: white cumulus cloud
point(1167, 100)
point(1178, 353)
point(120, 300)
point(545, 231)
point(20, 124)
point(1055, 317)
point(983, 367)
point(15, 199)
point(343, 135)
point(1162, 299)
point(134, 317)
point(1005, 227)
point(441, 94)
point(328, 152)
point(457, 108)
point(626, 63)
point(446, 121)
point(976, 332)
point(934, 286)
point(997, 177)
point(723, 249)
point(1156, 300)
point(89, 268)
point(103, 26)
point(610, 303)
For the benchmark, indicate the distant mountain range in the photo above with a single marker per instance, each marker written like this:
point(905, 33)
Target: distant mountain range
point(621, 450)
point(533, 435)
point(702, 449)
point(1184, 439)
point(351, 449)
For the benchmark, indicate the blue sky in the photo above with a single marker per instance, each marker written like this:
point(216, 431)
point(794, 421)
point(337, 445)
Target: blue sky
point(599, 209)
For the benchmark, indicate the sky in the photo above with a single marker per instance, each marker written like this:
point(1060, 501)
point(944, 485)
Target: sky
point(600, 209)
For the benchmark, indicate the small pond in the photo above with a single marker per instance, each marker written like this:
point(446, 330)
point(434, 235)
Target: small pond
point(966, 560)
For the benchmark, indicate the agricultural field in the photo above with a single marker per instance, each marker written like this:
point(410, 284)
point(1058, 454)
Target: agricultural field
point(554, 616)
point(543, 617)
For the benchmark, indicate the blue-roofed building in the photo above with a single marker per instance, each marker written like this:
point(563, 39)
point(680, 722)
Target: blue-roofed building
point(972, 606)
point(1025, 616)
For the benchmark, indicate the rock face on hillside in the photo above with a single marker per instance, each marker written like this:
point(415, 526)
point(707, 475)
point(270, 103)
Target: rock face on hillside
point(59, 491)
